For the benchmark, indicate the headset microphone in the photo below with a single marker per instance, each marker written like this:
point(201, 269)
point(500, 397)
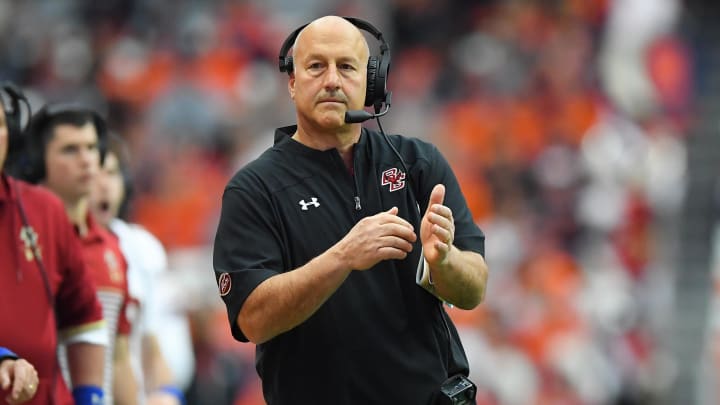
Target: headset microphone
point(358, 116)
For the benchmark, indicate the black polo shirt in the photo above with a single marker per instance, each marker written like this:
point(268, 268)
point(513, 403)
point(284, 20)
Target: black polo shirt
point(380, 338)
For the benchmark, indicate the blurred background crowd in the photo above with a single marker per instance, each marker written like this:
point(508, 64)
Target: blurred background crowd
point(581, 131)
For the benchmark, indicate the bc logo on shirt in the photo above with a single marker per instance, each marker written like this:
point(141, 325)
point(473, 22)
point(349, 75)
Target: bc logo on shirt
point(393, 177)
point(224, 284)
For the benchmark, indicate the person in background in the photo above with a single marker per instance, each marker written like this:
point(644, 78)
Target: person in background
point(337, 246)
point(65, 147)
point(46, 291)
point(147, 261)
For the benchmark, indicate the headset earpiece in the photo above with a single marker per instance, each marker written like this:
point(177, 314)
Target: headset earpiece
point(11, 103)
point(372, 79)
point(286, 64)
point(377, 69)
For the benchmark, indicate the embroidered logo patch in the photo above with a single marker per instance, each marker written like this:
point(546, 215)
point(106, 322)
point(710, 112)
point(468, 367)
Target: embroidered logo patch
point(30, 239)
point(113, 266)
point(394, 178)
point(224, 284)
point(304, 205)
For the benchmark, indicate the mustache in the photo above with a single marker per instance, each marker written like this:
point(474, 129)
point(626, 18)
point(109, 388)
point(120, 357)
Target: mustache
point(332, 96)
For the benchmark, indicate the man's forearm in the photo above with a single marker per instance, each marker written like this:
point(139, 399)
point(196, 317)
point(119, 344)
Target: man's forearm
point(86, 363)
point(125, 387)
point(156, 371)
point(462, 280)
point(284, 301)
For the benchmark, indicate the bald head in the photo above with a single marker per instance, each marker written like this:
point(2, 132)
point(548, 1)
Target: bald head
point(329, 27)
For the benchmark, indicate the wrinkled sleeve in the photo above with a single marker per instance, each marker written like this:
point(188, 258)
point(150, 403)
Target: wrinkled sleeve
point(78, 309)
point(247, 249)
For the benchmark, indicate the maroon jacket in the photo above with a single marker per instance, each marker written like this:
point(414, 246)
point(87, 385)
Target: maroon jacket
point(29, 322)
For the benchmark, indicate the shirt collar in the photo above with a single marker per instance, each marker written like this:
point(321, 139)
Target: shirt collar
point(284, 135)
point(94, 232)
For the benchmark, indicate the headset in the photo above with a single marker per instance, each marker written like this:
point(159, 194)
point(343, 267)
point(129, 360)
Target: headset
point(376, 93)
point(39, 133)
point(13, 99)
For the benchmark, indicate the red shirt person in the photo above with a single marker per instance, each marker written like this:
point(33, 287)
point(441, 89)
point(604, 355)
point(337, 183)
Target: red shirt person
point(65, 145)
point(46, 293)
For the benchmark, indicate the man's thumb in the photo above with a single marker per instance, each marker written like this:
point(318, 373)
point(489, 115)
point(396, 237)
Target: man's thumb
point(437, 196)
point(392, 211)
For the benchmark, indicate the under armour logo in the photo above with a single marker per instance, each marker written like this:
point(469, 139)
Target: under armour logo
point(393, 177)
point(304, 205)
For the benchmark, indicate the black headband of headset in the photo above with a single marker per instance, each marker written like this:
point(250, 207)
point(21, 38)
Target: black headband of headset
point(40, 120)
point(284, 63)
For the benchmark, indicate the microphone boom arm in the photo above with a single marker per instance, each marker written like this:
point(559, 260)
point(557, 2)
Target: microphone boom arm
point(358, 116)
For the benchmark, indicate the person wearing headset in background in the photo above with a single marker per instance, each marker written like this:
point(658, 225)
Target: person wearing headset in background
point(46, 291)
point(65, 146)
point(147, 261)
point(337, 246)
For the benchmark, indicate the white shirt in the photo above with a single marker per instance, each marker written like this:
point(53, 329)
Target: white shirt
point(149, 283)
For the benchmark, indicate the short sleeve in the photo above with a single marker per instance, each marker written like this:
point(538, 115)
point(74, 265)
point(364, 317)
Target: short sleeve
point(247, 249)
point(77, 304)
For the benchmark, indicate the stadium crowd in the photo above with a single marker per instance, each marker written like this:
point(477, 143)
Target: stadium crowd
point(564, 120)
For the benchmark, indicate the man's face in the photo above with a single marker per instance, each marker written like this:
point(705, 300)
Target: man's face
point(330, 74)
point(3, 137)
point(108, 190)
point(72, 161)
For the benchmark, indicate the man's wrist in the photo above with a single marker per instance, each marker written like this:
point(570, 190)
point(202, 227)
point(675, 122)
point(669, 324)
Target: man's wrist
point(88, 395)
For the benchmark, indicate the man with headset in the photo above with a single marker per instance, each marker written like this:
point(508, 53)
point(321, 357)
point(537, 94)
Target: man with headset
point(337, 246)
point(46, 292)
point(65, 146)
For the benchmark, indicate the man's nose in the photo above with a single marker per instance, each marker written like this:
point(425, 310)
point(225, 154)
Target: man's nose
point(332, 78)
point(88, 156)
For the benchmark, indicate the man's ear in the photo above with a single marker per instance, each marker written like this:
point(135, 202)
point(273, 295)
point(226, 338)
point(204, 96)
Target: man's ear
point(291, 86)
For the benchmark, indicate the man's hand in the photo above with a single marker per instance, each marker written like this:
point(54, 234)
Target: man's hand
point(437, 229)
point(373, 239)
point(21, 378)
